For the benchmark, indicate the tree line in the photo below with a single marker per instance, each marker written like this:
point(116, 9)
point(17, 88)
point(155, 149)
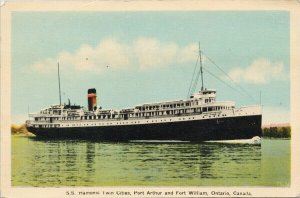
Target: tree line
point(277, 132)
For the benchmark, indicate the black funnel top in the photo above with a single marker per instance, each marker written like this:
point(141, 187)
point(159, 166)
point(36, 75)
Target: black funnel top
point(92, 90)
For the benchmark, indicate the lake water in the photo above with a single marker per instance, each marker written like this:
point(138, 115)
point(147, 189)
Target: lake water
point(91, 163)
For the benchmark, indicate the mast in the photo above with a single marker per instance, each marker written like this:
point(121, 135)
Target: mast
point(201, 71)
point(194, 82)
point(59, 83)
point(260, 97)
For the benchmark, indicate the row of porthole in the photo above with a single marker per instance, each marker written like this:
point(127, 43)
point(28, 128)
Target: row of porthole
point(170, 120)
point(120, 123)
point(134, 122)
point(137, 122)
point(124, 122)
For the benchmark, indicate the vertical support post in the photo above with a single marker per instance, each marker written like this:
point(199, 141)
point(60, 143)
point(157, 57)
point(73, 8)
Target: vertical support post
point(59, 83)
point(260, 97)
point(201, 68)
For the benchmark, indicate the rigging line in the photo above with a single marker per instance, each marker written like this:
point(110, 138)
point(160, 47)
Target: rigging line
point(234, 82)
point(223, 81)
point(189, 92)
point(193, 79)
point(196, 81)
point(198, 74)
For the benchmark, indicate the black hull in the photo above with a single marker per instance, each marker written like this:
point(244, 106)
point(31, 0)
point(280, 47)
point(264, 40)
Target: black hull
point(230, 128)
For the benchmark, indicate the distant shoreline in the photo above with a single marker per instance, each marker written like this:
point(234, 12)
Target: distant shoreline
point(276, 131)
point(20, 130)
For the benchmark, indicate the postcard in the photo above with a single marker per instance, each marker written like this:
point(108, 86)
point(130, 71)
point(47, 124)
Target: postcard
point(150, 99)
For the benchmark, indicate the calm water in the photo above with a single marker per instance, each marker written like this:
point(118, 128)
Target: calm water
point(88, 163)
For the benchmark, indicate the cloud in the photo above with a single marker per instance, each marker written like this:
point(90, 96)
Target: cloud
point(142, 53)
point(150, 53)
point(260, 71)
point(273, 115)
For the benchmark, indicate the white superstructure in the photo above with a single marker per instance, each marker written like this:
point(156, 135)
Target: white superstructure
point(201, 105)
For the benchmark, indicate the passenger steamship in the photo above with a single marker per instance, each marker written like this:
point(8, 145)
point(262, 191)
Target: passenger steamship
point(199, 118)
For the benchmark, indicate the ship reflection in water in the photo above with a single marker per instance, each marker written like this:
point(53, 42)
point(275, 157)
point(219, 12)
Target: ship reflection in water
point(88, 163)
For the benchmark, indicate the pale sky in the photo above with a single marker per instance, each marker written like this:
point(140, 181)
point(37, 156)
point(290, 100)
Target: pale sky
point(151, 57)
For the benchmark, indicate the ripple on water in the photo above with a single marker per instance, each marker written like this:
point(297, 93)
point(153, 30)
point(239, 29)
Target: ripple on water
point(90, 163)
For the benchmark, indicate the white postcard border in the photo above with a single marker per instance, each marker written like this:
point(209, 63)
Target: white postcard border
point(242, 5)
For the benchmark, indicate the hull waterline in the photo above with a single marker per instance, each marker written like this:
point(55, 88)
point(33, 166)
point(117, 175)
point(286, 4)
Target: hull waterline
point(244, 127)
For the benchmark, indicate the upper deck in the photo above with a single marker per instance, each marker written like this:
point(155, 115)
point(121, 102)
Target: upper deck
point(199, 106)
point(200, 102)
